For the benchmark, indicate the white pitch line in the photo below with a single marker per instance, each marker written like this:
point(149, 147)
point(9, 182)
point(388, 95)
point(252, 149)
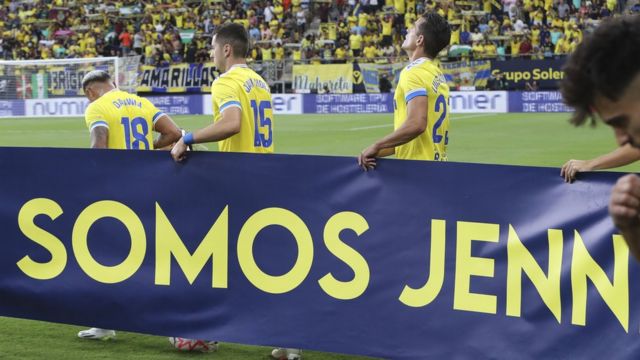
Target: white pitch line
point(473, 116)
point(370, 127)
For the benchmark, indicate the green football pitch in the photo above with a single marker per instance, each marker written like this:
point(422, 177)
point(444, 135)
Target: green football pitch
point(514, 139)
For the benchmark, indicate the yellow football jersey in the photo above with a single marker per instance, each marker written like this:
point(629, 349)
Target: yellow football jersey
point(128, 117)
point(241, 87)
point(424, 78)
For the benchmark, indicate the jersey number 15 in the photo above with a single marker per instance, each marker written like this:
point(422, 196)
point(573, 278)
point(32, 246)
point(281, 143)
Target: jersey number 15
point(262, 123)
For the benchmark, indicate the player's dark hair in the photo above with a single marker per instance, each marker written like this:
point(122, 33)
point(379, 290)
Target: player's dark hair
point(436, 32)
point(234, 35)
point(95, 76)
point(604, 64)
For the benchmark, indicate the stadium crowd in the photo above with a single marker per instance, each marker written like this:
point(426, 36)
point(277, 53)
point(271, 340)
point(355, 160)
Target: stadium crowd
point(167, 32)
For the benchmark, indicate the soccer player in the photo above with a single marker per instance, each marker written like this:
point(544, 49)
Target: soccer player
point(421, 117)
point(624, 155)
point(602, 80)
point(119, 120)
point(243, 113)
point(242, 108)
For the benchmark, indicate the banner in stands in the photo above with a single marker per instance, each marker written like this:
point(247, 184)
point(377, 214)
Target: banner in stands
point(459, 74)
point(410, 261)
point(337, 78)
point(517, 72)
point(467, 73)
point(177, 78)
point(372, 74)
point(537, 101)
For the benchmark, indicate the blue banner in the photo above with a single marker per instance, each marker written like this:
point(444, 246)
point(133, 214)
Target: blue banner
point(348, 103)
point(516, 72)
point(537, 101)
point(411, 261)
point(178, 105)
point(11, 108)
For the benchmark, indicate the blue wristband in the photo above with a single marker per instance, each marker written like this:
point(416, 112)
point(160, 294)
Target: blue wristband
point(188, 138)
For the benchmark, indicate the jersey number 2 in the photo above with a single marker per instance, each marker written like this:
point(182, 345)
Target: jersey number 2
point(261, 121)
point(139, 129)
point(441, 105)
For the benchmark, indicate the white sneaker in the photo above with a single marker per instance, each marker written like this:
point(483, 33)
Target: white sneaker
point(97, 334)
point(286, 354)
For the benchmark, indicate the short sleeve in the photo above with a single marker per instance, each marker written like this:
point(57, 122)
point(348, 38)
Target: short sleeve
point(224, 96)
point(413, 86)
point(94, 117)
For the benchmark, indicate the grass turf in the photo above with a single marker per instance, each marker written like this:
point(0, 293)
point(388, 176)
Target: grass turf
point(514, 139)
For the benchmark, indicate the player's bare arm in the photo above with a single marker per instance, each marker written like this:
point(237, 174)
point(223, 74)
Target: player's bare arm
point(169, 132)
point(621, 156)
point(226, 127)
point(415, 125)
point(99, 137)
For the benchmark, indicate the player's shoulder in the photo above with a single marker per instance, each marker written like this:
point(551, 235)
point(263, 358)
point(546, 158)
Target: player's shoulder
point(92, 107)
point(223, 80)
point(96, 105)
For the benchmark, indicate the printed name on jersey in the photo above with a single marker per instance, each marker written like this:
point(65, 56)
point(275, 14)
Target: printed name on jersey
point(251, 83)
point(126, 102)
point(437, 81)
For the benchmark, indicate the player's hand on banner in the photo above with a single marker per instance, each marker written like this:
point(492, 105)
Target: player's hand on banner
point(179, 151)
point(624, 205)
point(572, 167)
point(367, 158)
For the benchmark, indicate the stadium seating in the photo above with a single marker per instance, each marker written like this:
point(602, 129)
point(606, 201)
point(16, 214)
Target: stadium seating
point(321, 31)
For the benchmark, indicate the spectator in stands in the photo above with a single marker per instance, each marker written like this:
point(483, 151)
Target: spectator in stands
point(384, 84)
point(490, 49)
point(496, 82)
point(563, 9)
point(369, 52)
point(125, 42)
point(288, 21)
point(138, 42)
point(531, 86)
point(190, 56)
point(525, 47)
point(355, 43)
point(478, 50)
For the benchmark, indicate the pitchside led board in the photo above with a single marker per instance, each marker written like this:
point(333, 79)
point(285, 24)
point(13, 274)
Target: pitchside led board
point(415, 260)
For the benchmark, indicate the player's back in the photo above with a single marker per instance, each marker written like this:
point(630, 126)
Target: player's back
point(128, 117)
point(241, 87)
point(424, 77)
